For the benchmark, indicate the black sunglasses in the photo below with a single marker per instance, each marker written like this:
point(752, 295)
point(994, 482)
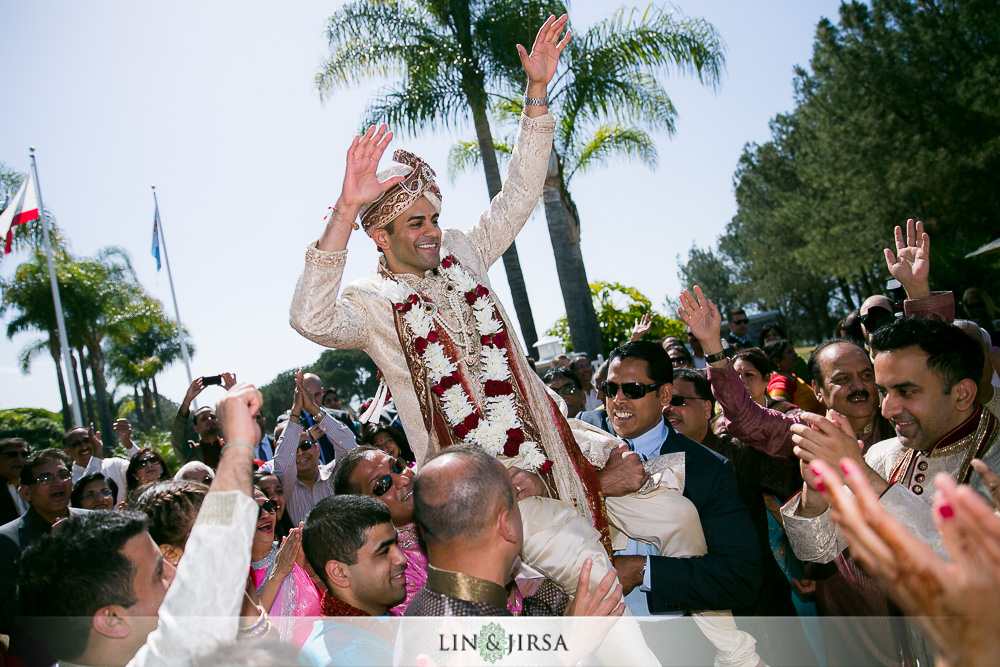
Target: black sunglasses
point(16, 454)
point(384, 483)
point(678, 401)
point(632, 390)
point(148, 461)
point(268, 506)
point(306, 445)
point(744, 321)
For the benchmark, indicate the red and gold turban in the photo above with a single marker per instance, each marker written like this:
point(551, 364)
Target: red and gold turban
point(419, 182)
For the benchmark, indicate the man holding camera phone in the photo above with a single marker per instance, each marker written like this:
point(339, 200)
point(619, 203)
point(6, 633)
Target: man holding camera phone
point(206, 425)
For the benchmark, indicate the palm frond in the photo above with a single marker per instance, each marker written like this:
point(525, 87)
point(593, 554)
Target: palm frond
point(409, 106)
point(609, 141)
point(29, 352)
point(465, 154)
point(658, 41)
point(372, 38)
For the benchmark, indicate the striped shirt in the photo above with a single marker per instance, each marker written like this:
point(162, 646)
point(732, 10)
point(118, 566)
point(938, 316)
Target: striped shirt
point(299, 497)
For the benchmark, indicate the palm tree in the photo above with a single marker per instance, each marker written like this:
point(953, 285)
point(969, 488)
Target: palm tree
point(28, 295)
point(136, 354)
point(605, 96)
point(450, 56)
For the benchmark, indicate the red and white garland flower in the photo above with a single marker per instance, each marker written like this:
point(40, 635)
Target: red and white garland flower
point(497, 428)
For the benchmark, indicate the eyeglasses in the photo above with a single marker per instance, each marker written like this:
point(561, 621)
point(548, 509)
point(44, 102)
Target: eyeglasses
point(47, 478)
point(306, 445)
point(566, 390)
point(632, 390)
point(16, 454)
point(268, 506)
point(738, 322)
point(678, 401)
point(384, 483)
point(148, 461)
point(94, 495)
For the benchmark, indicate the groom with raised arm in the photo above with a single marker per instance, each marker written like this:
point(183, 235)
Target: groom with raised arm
point(430, 321)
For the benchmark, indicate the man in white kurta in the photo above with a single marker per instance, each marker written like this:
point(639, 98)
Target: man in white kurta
point(927, 372)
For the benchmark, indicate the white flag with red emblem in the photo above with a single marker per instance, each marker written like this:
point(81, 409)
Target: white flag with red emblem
point(21, 209)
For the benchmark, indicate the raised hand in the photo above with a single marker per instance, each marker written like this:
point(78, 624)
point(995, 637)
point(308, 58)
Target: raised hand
point(641, 328)
point(97, 447)
point(541, 63)
point(703, 318)
point(196, 388)
point(911, 265)
point(228, 381)
point(124, 431)
point(298, 396)
point(361, 185)
point(237, 411)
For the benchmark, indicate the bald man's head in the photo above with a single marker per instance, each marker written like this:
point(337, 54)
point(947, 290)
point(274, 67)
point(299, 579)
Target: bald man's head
point(459, 493)
point(314, 386)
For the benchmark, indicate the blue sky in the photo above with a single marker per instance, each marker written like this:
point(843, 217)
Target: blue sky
point(215, 103)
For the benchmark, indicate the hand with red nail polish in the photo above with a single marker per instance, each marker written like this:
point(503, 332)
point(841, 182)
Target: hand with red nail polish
point(954, 603)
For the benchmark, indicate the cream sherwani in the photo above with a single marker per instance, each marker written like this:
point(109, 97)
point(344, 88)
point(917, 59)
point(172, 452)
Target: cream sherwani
point(558, 534)
point(817, 539)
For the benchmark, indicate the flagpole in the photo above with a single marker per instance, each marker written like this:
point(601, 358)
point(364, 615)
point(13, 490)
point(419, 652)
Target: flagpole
point(60, 323)
point(173, 294)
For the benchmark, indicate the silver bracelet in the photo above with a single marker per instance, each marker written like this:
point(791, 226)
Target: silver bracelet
point(536, 101)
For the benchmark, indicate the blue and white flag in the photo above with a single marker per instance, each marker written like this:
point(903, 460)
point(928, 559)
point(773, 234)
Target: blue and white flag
point(156, 237)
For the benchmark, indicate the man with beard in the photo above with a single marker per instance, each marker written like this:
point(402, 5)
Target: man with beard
point(206, 425)
point(927, 372)
point(844, 381)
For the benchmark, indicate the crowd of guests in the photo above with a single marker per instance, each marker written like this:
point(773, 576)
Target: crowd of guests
point(878, 442)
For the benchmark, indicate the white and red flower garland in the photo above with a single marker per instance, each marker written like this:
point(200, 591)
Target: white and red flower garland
point(497, 429)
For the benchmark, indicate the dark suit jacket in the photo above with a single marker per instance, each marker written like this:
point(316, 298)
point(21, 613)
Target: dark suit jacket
point(8, 510)
point(15, 537)
point(729, 575)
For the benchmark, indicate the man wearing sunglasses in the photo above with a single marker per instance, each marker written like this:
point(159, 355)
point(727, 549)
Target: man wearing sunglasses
point(739, 327)
point(637, 390)
point(307, 481)
point(13, 454)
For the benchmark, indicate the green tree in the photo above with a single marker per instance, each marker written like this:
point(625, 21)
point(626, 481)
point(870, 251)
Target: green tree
point(899, 117)
point(39, 427)
point(137, 354)
point(618, 307)
point(351, 372)
point(449, 57)
point(606, 97)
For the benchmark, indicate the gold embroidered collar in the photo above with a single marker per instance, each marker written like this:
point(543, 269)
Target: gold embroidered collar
point(466, 587)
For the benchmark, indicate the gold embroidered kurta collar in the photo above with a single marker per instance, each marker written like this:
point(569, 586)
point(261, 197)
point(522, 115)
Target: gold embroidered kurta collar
point(466, 587)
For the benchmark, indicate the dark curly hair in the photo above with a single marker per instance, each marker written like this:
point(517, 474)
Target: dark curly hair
point(171, 506)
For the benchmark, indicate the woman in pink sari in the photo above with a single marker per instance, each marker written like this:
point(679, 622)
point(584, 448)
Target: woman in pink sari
point(277, 569)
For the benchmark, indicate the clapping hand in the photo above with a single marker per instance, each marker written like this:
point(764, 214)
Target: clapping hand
point(954, 602)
